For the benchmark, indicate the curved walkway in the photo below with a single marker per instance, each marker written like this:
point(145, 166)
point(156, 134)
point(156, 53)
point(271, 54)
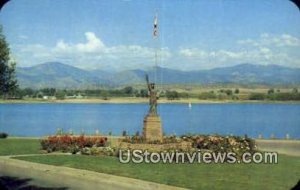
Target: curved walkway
point(288, 147)
point(69, 178)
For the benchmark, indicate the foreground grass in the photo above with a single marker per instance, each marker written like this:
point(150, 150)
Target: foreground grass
point(283, 175)
point(17, 146)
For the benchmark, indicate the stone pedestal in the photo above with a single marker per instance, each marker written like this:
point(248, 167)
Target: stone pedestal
point(152, 128)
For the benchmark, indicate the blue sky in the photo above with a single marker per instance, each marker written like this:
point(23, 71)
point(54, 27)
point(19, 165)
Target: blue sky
point(117, 34)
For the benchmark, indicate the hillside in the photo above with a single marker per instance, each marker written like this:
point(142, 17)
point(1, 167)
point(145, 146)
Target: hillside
point(59, 75)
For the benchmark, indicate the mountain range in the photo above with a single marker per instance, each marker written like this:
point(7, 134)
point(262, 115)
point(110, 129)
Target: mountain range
point(59, 75)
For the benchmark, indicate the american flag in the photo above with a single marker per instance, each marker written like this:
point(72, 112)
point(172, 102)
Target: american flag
point(155, 29)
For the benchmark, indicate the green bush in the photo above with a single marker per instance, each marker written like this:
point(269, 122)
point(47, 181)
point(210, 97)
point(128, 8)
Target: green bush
point(271, 91)
point(3, 135)
point(287, 96)
point(228, 92)
point(207, 95)
point(172, 95)
point(257, 96)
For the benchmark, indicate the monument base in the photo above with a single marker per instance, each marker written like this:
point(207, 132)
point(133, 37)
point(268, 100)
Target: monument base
point(152, 128)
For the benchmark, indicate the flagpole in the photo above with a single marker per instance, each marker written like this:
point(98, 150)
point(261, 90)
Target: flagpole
point(155, 34)
point(156, 63)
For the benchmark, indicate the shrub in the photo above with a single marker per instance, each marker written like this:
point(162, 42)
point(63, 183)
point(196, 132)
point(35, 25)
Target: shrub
point(228, 92)
point(207, 95)
point(271, 91)
point(183, 95)
point(295, 90)
point(172, 95)
point(3, 135)
point(257, 96)
point(134, 139)
point(287, 96)
point(95, 151)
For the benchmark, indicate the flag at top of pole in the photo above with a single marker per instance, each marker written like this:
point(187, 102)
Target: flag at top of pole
point(155, 27)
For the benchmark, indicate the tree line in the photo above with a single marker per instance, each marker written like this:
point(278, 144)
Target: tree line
point(273, 95)
point(129, 91)
point(67, 93)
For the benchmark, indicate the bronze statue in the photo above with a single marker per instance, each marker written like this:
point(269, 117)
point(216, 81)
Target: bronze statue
point(152, 97)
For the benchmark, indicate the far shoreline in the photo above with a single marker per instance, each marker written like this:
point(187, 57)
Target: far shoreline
point(127, 100)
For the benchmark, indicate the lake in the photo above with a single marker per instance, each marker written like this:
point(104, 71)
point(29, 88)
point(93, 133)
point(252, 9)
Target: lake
point(37, 119)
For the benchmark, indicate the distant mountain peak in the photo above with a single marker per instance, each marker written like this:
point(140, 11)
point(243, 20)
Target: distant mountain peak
point(54, 64)
point(60, 75)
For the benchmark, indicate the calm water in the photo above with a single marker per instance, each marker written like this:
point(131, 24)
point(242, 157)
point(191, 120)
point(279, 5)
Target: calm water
point(234, 118)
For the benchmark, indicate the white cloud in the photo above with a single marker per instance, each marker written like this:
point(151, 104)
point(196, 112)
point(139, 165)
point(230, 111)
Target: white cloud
point(93, 43)
point(194, 52)
point(262, 55)
point(267, 49)
point(61, 45)
point(94, 53)
point(23, 37)
point(202, 54)
point(266, 39)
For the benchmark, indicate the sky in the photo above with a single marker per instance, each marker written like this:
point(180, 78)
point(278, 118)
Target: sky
point(117, 34)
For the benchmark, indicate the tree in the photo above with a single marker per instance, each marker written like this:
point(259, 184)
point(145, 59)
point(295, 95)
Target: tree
point(172, 95)
point(207, 95)
point(256, 96)
point(128, 90)
point(271, 91)
point(228, 92)
point(295, 90)
point(184, 95)
point(104, 94)
point(8, 82)
point(28, 92)
point(144, 93)
point(49, 91)
point(236, 91)
point(60, 94)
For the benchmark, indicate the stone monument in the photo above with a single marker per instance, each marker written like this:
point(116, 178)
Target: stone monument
point(152, 130)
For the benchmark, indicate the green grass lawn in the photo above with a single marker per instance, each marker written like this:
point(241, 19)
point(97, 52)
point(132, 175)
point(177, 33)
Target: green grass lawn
point(283, 175)
point(15, 146)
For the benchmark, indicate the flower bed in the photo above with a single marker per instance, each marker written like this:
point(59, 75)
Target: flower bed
point(96, 145)
point(213, 143)
point(70, 143)
point(217, 143)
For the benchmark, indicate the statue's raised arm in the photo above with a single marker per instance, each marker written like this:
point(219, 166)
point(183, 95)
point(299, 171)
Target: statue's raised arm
point(148, 83)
